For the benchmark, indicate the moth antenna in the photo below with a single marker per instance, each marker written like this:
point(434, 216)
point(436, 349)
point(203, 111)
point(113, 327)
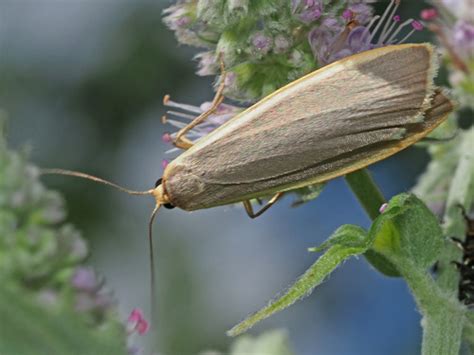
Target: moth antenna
point(160, 198)
point(152, 258)
point(93, 178)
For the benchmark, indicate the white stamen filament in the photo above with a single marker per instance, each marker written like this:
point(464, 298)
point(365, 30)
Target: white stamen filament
point(404, 24)
point(407, 36)
point(185, 107)
point(384, 31)
point(386, 34)
point(372, 21)
point(382, 19)
point(176, 123)
point(181, 114)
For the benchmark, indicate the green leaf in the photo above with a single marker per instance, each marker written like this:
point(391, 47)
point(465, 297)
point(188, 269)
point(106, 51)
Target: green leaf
point(408, 230)
point(29, 329)
point(346, 241)
point(307, 193)
point(348, 235)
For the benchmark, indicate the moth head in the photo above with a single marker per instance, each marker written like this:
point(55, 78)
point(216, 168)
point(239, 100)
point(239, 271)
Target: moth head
point(160, 195)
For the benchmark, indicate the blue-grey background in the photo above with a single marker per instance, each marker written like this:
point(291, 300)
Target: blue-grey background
point(82, 82)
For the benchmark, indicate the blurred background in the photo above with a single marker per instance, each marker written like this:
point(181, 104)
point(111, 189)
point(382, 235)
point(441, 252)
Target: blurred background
point(82, 83)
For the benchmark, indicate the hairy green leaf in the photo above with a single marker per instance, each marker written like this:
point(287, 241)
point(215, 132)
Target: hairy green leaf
point(346, 241)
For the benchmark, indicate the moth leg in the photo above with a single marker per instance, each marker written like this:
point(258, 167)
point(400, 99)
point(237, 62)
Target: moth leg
point(184, 143)
point(249, 208)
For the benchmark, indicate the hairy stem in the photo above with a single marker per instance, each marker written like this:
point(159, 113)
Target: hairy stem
point(443, 316)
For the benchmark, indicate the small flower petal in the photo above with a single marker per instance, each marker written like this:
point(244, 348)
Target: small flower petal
point(166, 137)
point(143, 327)
point(137, 322)
point(307, 11)
point(347, 14)
point(135, 315)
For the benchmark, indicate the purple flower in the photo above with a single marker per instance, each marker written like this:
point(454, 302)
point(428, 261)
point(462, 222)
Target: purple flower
point(282, 43)
point(176, 17)
point(207, 63)
point(261, 43)
point(463, 39)
point(323, 38)
point(84, 279)
point(362, 13)
point(347, 14)
point(223, 113)
point(307, 11)
point(462, 9)
point(380, 31)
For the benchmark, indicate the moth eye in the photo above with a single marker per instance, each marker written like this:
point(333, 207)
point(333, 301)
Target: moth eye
point(158, 182)
point(168, 206)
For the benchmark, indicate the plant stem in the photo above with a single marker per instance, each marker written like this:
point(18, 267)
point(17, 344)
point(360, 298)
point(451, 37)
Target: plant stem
point(443, 316)
point(366, 191)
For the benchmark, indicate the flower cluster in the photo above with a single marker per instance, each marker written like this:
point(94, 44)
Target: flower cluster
point(453, 23)
point(41, 256)
point(266, 44)
point(333, 40)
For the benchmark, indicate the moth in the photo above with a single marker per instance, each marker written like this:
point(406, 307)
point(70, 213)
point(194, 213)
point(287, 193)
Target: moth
point(331, 122)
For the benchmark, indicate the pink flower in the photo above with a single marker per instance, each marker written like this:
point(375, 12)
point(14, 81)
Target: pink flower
point(84, 279)
point(137, 322)
point(329, 45)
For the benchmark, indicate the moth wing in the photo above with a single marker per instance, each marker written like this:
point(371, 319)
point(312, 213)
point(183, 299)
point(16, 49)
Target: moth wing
point(311, 128)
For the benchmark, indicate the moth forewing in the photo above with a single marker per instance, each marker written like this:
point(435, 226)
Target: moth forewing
point(335, 120)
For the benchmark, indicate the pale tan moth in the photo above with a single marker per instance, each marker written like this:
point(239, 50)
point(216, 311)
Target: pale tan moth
point(333, 121)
